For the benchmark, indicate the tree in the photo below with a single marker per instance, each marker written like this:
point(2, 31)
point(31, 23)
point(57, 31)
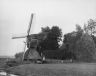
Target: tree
point(19, 56)
point(46, 29)
point(54, 37)
point(90, 27)
point(69, 42)
point(85, 49)
point(78, 28)
point(52, 40)
point(94, 38)
point(79, 46)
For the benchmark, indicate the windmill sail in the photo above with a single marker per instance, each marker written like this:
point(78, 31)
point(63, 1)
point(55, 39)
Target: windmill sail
point(30, 24)
point(33, 24)
point(16, 36)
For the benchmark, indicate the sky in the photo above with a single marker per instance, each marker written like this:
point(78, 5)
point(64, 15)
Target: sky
point(15, 18)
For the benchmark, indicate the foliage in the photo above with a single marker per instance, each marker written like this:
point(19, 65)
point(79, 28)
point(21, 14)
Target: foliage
point(12, 63)
point(78, 28)
point(19, 56)
point(52, 40)
point(90, 27)
point(53, 54)
point(79, 46)
point(69, 43)
point(85, 48)
point(45, 29)
point(94, 38)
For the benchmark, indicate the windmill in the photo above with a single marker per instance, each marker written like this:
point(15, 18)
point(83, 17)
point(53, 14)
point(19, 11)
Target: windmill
point(27, 36)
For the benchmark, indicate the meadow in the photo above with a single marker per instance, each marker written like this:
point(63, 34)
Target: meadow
point(65, 69)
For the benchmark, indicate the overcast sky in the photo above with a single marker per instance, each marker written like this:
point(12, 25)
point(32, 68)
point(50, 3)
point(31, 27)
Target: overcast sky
point(15, 17)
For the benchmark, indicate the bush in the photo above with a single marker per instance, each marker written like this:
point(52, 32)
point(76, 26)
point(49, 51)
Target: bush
point(19, 57)
point(12, 63)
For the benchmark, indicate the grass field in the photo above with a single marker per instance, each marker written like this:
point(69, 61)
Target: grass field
point(68, 69)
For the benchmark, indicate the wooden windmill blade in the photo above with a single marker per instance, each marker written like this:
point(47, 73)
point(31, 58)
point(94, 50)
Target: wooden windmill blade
point(15, 36)
point(30, 24)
